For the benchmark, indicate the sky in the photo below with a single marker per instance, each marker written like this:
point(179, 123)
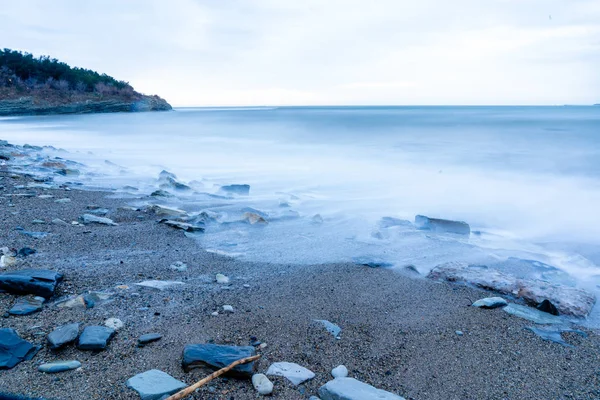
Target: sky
point(324, 52)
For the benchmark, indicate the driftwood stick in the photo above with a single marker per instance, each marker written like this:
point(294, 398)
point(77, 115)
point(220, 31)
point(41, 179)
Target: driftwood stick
point(187, 391)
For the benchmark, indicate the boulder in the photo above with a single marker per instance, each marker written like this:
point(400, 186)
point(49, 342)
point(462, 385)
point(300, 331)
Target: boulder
point(352, 389)
point(63, 335)
point(442, 225)
point(27, 305)
point(95, 338)
point(568, 300)
point(293, 372)
point(154, 384)
point(59, 366)
point(40, 282)
point(218, 356)
point(13, 349)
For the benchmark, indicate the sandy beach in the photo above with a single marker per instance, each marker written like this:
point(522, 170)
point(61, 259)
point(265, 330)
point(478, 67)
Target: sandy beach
point(399, 332)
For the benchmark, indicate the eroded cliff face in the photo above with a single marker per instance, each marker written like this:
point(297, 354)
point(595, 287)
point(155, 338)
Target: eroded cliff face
point(32, 106)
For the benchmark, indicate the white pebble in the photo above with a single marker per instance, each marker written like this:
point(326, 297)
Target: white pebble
point(246, 286)
point(227, 308)
point(339, 372)
point(222, 278)
point(216, 313)
point(114, 323)
point(262, 384)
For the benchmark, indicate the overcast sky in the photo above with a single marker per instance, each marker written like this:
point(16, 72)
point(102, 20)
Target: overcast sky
point(290, 52)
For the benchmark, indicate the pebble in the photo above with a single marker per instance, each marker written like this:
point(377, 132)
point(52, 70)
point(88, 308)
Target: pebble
point(63, 201)
point(114, 323)
point(459, 333)
point(58, 221)
point(59, 366)
point(246, 286)
point(149, 338)
point(216, 313)
point(63, 335)
point(220, 278)
point(339, 372)
point(262, 384)
point(490, 302)
point(228, 308)
point(178, 266)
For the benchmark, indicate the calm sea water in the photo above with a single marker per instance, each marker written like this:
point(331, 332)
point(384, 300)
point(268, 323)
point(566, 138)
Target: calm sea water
point(528, 178)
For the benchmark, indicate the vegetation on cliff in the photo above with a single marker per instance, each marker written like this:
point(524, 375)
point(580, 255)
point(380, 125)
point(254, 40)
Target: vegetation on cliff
point(45, 85)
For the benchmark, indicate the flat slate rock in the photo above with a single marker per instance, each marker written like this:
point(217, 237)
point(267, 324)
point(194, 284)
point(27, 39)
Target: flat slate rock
point(63, 335)
point(93, 219)
point(27, 305)
point(95, 338)
point(293, 372)
point(352, 389)
point(59, 366)
point(154, 384)
point(39, 282)
point(149, 338)
point(218, 356)
point(13, 349)
point(442, 225)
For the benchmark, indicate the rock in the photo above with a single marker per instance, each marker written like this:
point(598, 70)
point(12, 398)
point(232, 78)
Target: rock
point(459, 333)
point(262, 384)
point(39, 282)
point(114, 323)
point(490, 302)
point(246, 286)
point(214, 313)
point(388, 222)
point(167, 211)
point(59, 366)
point(253, 218)
point(331, 327)
point(243, 190)
point(167, 180)
point(178, 266)
point(548, 307)
point(568, 300)
point(63, 335)
point(532, 314)
point(371, 262)
point(26, 251)
point(317, 219)
point(553, 333)
point(27, 305)
point(38, 221)
point(218, 356)
point(220, 278)
point(7, 261)
point(13, 349)
point(154, 384)
point(58, 221)
point(149, 338)
point(95, 338)
point(160, 285)
point(93, 219)
point(228, 308)
point(99, 211)
point(410, 270)
point(93, 299)
point(313, 398)
point(161, 193)
point(352, 389)
point(68, 172)
point(182, 225)
point(71, 302)
point(293, 372)
point(35, 235)
point(339, 372)
point(442, 225)
point(63, 201)
point(45, 196)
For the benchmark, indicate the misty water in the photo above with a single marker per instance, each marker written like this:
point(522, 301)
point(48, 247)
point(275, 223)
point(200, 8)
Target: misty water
point(527, 180)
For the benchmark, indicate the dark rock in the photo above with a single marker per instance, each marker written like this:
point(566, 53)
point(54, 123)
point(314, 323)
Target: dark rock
point(219, 356)
point(68, 172)
point(95, 338)
point(13, 349)
point(39, 282)
point(243, 190)
point(26, 251)
point(547, 306)
point(161, 193)
point(63, 335)
point(442, 225)
point(149, 338)
point(27, 305)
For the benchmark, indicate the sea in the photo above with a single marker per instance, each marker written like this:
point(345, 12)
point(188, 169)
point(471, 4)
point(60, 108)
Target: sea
point(344, 184)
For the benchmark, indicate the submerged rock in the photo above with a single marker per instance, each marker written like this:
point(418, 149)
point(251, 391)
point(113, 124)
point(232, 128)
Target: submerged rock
point(253, 218)
point(95, 338)
point(13, 349)
point(353, 389)
point(161, 193)
point(490, 302)
point(262, 384)
point(293, 372)
point(330, 327)
point(59, 366)
point(553, 333)
point(154, 384)
point(243, 190)
point(167, 211)
point(168, 180)
point(27, 305)
point(182, 225)
point(94, 219)
point(40, 282)
point(218, 356)
point(442, 225)
point(58, 221)
point(568, 300)
point(532, 314)
point(372, 262)
point(63, 335)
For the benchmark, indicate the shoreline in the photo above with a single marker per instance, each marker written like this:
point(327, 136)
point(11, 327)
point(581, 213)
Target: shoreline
point(398, 332)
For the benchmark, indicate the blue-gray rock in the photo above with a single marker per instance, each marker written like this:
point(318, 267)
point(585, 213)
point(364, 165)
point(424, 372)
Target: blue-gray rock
point(218, 356)
point(26, 251)
point(39, 282)
point(149, 338)
point(442, 225)
point(352, 389)
point(93, 219)
point(13, 349)
point(95, 338)
point(35, 235)
point(388, 222)
point(63, 335)
point(552, 333)
point(27, 305)
point(154, 384)
point(532, 314)
point(332, 328)
point(59, 366)
point(490, 302)
point(243, 190)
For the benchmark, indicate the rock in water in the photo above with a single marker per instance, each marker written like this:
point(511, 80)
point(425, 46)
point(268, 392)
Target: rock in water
point(490, 302)
point(27, 305)
point(243, 190)
point(149, 338)
point(95, 338)
point(293, 372)
point(167, 211)
point(262, 384)
point(182, 225)
point(13, 349)
point(547, 306)
point(568, 300)
point(352, 389)
point(93, 219)
point(218, 356)
point(63, 335)
point(39, 282)
point(442, 225)
point(339, 372)
point(59, 366)
point(154, 384)
point(532, 314)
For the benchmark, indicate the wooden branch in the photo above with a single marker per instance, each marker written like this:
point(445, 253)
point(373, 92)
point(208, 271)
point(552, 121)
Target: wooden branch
point(187, 391)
